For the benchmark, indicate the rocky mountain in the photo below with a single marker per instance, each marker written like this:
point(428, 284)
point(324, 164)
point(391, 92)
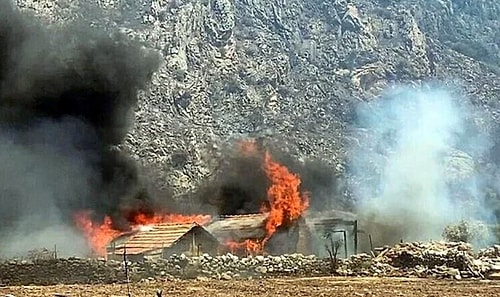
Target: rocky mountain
point(290, 71)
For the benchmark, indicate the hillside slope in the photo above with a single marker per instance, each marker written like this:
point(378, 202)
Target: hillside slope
point(292, 71)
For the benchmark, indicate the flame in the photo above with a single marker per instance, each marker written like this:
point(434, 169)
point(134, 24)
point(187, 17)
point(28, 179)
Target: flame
point(144, 219)
point(98, 235)
point(285, 203)
point(251, 246)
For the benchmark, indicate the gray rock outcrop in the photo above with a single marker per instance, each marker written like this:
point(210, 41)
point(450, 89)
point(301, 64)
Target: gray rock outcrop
point(291, 71)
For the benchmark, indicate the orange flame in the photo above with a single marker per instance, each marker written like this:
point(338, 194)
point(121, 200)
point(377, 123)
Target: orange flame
point(98, 235)
point(250, 246)
point(144, 219)
point(285, 205)
point(285, 202)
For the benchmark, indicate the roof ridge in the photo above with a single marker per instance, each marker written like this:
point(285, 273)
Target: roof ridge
point(242, 215)
point(145, 238)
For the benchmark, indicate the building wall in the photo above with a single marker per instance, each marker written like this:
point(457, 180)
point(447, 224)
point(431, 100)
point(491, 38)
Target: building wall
point(194, 243)
point(305, 242)
point(284, 241)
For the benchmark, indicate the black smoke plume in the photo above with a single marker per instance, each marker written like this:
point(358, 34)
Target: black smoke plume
point(240, 184)
point(66, 100)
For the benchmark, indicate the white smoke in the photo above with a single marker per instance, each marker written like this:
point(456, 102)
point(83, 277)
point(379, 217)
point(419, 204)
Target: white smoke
point(409, 165)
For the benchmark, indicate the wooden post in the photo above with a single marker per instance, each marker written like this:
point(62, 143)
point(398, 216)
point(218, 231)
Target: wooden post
point(355, 236)
point(126, 270)
point(345, 243)
point(371, 242)
point(193, 244)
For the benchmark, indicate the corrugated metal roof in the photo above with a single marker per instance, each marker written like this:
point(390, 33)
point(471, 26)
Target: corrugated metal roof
point(239, 227)
point(153, 238)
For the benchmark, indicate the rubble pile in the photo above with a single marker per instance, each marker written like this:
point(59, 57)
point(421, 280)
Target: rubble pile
point(408, 255)
point(434, 259)
point(490, 257)
point(489, 253)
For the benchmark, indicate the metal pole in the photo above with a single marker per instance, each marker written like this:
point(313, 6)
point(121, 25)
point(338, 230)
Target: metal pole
point(371, 242)
point(126, 270)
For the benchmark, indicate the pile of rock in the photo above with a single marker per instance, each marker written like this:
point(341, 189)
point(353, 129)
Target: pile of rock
point(229, 266)
point(54, 271)
point(490, 257)
point(75, 270)
point(433, 259)
point(294, 264)
point(407, 255)
point(489, 253)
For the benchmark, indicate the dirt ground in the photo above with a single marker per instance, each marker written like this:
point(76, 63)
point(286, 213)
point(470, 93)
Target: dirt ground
point(328, 286)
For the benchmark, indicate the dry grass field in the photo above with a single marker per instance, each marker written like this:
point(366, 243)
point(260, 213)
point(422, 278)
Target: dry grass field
point(327, 286)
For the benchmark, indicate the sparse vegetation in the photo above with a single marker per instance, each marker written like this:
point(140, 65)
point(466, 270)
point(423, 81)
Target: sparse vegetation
point(474, 232)
point(332, 247)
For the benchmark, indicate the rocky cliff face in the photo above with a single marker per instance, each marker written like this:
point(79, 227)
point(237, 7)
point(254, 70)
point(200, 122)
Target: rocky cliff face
point(291, 71)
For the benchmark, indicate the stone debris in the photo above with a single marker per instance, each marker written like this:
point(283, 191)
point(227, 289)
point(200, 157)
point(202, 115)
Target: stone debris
point(491, 252)
point(55, 271)
point(416, 259)
point(224, 267)
point(434, 259)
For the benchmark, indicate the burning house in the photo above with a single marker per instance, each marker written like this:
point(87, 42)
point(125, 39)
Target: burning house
point(246, 234)
point(239, 227)
point(163, 240)
point(275, 229)
point(279, 228)
point(240, 233)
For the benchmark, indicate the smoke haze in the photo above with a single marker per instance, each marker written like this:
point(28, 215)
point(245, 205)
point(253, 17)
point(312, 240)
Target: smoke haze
point(66, 98)
point(415, 167)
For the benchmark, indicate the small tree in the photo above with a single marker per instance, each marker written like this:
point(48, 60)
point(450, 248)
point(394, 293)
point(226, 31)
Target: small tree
point(466, 231)
point(332, 247)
